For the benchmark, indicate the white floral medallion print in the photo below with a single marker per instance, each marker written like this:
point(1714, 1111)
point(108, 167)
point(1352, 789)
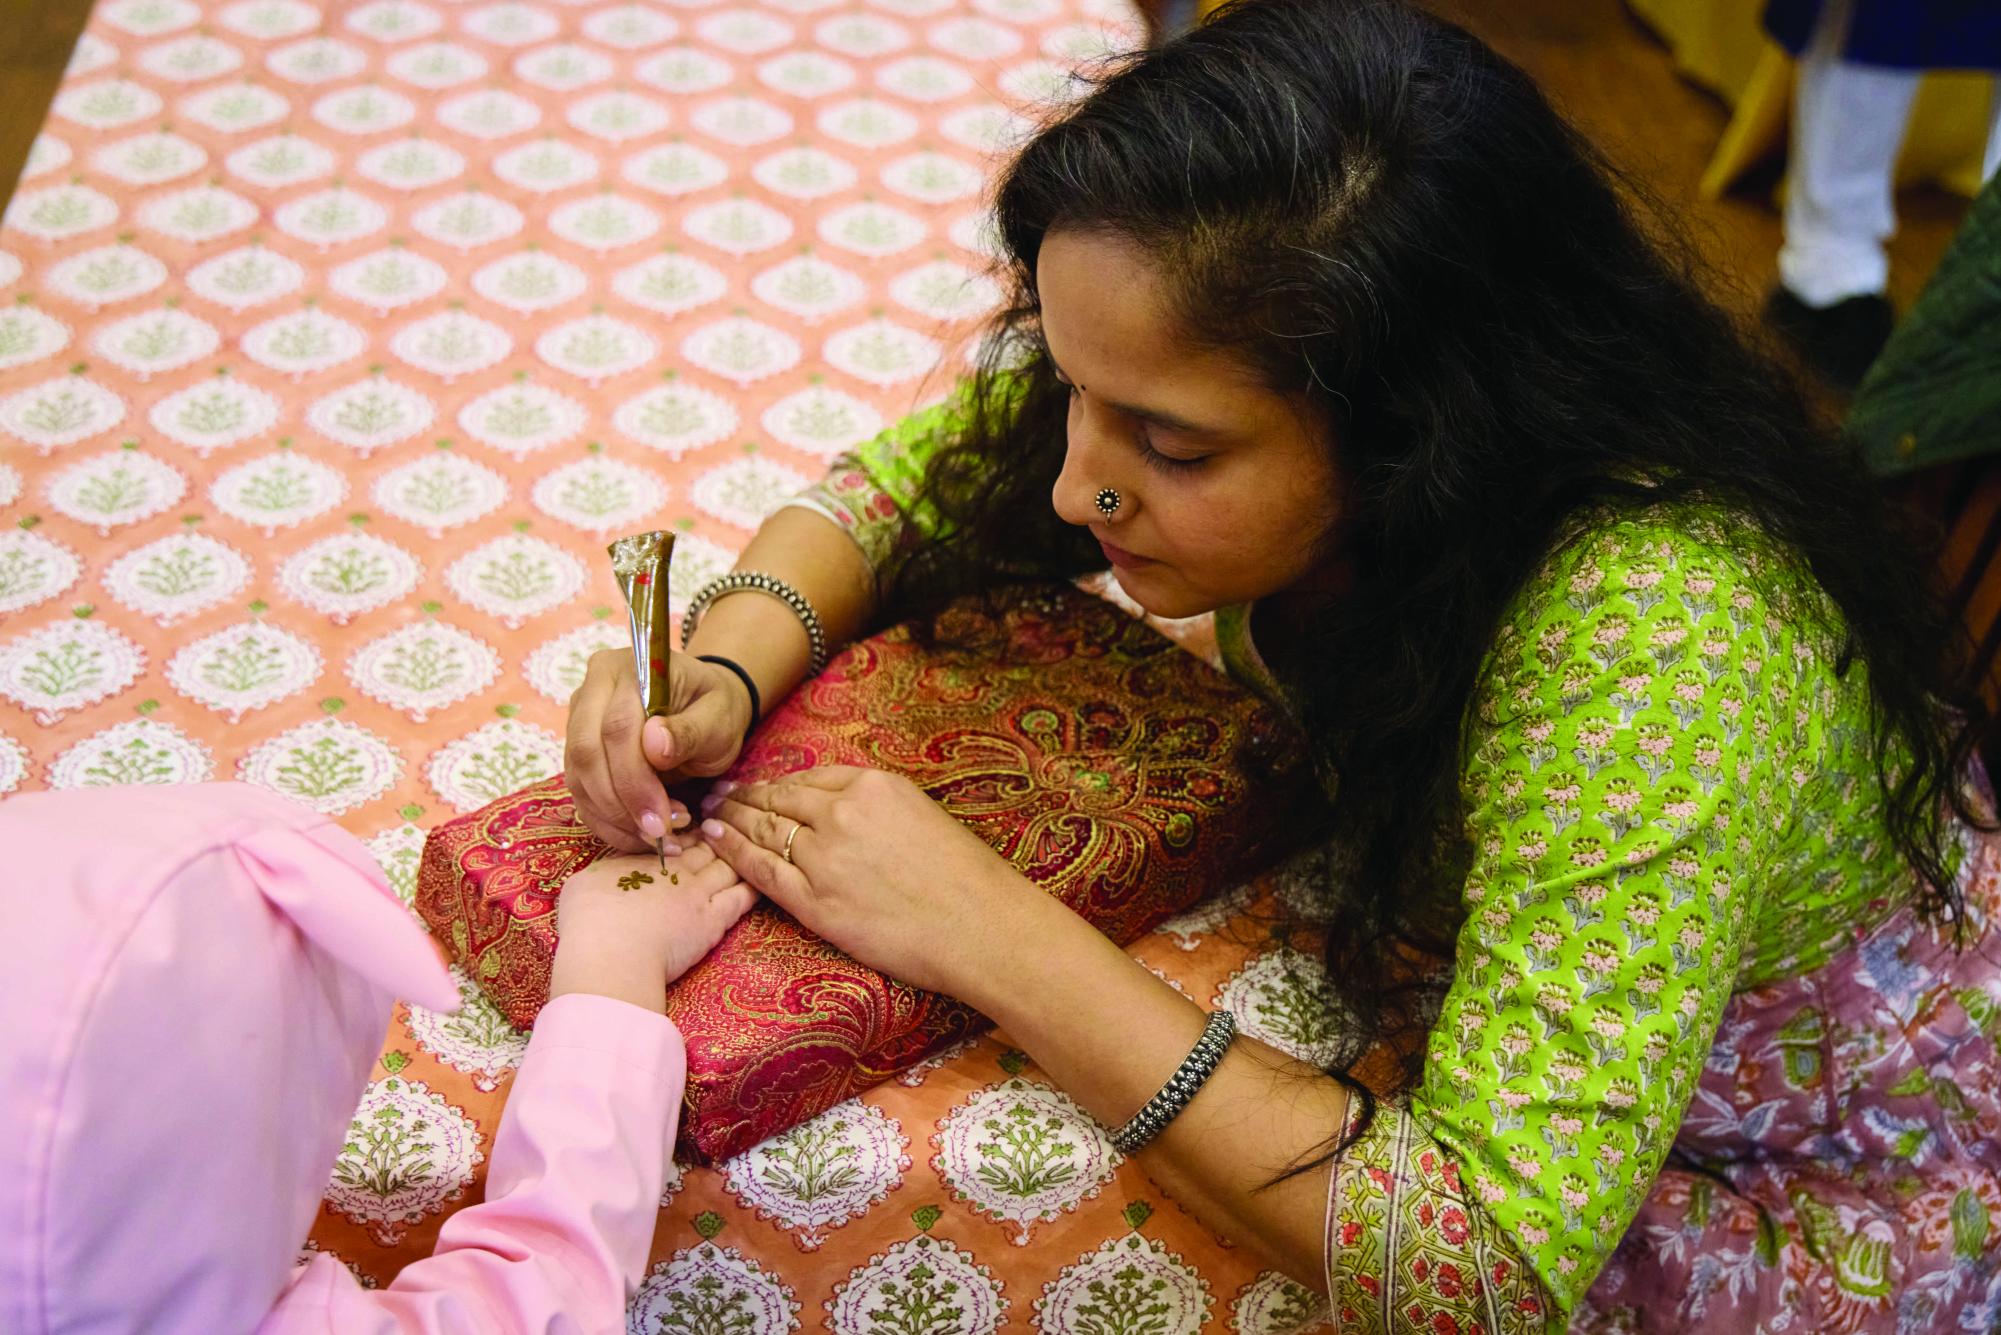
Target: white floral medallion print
point(141, 750)
point(215, 414)
point(28, 335)
point(475, 1039)
point(600, 495)
point(674, 418)
point(120, 487)
point(177, 576)
point(408, 1154)
point(107, 275)
point(399, 850)
point(329, 764)
point(13, 763)
point(822, 1173)
point(492, 761)
point(516, 577)
point(711, 1288)
point(66, 666)
point(922, 1284)
point(424, 667)
point(821, 420)
point(745, 490)
point(244, 667)
point(348, 574)
point(442, 490)
point(371, 414)
point(1129, 1283)
point(1282, 997)
point(244, 278)
point(1021, 1153)
point(33, 569)
point(390, 279)
point(61, 411)
point(277, 491)
point(523, 418)
point(556, 667)
point(1274, 1305)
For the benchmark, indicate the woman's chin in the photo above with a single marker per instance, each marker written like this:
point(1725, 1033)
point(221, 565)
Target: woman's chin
point(1146, 590)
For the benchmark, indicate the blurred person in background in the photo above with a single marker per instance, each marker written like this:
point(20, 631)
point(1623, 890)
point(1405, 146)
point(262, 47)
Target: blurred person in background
point(1859, 66)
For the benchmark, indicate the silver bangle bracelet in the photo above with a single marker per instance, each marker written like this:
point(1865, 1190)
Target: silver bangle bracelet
point(1181, 1087)
point(741, 580)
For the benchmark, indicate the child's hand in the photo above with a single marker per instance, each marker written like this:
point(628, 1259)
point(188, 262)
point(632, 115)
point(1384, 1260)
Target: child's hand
point(626, 929)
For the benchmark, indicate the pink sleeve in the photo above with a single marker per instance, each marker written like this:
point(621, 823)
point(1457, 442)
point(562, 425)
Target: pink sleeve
point(572, 1192)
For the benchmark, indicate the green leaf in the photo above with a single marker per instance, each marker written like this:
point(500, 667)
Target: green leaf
point(1137, 1213)
point(147, 707)
point(1771, 1238)
point(924, 1216)
point(394, 1062)
point(507, 711)
point(410, 812)
point(708, 1223)
point(333, 704)
point(1013, 1061)
point(1970, 1225)
point(1915, 1081)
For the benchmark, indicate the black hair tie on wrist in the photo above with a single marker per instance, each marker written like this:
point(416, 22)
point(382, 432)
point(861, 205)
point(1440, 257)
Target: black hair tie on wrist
point(756, 704)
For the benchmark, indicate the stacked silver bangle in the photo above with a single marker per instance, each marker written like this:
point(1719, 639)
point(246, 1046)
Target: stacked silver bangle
point(740, 580)
point(1181, 1087)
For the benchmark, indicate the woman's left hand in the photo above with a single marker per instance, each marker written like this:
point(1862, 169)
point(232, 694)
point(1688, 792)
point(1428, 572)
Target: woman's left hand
point(877, 868)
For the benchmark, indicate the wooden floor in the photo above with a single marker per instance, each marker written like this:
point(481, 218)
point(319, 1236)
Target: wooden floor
point(1597, 64)
point(35, 41)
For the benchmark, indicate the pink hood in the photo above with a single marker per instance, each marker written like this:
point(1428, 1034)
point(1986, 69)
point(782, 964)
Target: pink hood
point(194, 987)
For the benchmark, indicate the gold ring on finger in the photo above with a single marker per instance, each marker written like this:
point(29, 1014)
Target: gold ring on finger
point(788, 840)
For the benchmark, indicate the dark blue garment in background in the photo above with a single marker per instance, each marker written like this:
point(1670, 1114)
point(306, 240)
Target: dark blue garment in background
point(1903, 34)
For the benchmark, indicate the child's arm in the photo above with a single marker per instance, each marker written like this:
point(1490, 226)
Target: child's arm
point(574, 1182)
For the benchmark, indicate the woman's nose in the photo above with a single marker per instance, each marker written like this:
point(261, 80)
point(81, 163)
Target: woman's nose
point(1084, 471)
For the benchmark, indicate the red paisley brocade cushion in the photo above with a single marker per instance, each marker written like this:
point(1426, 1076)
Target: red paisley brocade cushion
point(1110, 766)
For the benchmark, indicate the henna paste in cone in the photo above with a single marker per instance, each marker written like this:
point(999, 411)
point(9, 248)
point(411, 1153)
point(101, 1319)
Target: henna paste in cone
point(640, 565)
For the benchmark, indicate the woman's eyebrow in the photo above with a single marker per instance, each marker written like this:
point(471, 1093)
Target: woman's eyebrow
point(1153, 416)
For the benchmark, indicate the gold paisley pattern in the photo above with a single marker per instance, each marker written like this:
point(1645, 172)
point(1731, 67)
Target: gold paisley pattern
point(1110, 767)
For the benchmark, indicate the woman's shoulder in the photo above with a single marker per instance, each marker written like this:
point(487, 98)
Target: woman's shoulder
point(1687, 558)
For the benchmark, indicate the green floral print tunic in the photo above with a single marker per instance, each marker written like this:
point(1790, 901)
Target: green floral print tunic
point(1670, 799)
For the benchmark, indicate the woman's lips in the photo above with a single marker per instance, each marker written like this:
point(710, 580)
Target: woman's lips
point(1122, 558)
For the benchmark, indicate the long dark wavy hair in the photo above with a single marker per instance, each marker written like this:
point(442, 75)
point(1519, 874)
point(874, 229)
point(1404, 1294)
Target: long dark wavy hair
point(1385, 217)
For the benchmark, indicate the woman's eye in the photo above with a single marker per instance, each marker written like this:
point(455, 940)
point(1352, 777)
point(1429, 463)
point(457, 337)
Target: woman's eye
point(1167, 463)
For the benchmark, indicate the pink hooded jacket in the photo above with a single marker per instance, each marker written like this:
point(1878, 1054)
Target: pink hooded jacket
point(196, 984)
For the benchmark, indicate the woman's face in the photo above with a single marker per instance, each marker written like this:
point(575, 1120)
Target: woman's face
point(1227, 490)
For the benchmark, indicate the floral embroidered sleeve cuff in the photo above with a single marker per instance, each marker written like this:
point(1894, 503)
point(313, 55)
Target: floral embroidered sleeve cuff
point(1407, 1250)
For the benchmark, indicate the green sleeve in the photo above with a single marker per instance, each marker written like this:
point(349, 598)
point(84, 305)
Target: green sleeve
point(1626, 748)
point(872, 490)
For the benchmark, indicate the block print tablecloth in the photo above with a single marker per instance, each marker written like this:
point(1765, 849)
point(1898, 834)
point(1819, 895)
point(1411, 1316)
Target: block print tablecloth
point(341, 337)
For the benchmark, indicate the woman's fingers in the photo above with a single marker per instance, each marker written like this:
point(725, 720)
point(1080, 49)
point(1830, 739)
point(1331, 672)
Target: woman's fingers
point(795, 801)
point(763, 870)
point(587, 761)
point(766, 829)
point(702, 740)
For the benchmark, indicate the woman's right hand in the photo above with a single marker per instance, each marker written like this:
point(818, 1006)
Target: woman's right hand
point(617, 760)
